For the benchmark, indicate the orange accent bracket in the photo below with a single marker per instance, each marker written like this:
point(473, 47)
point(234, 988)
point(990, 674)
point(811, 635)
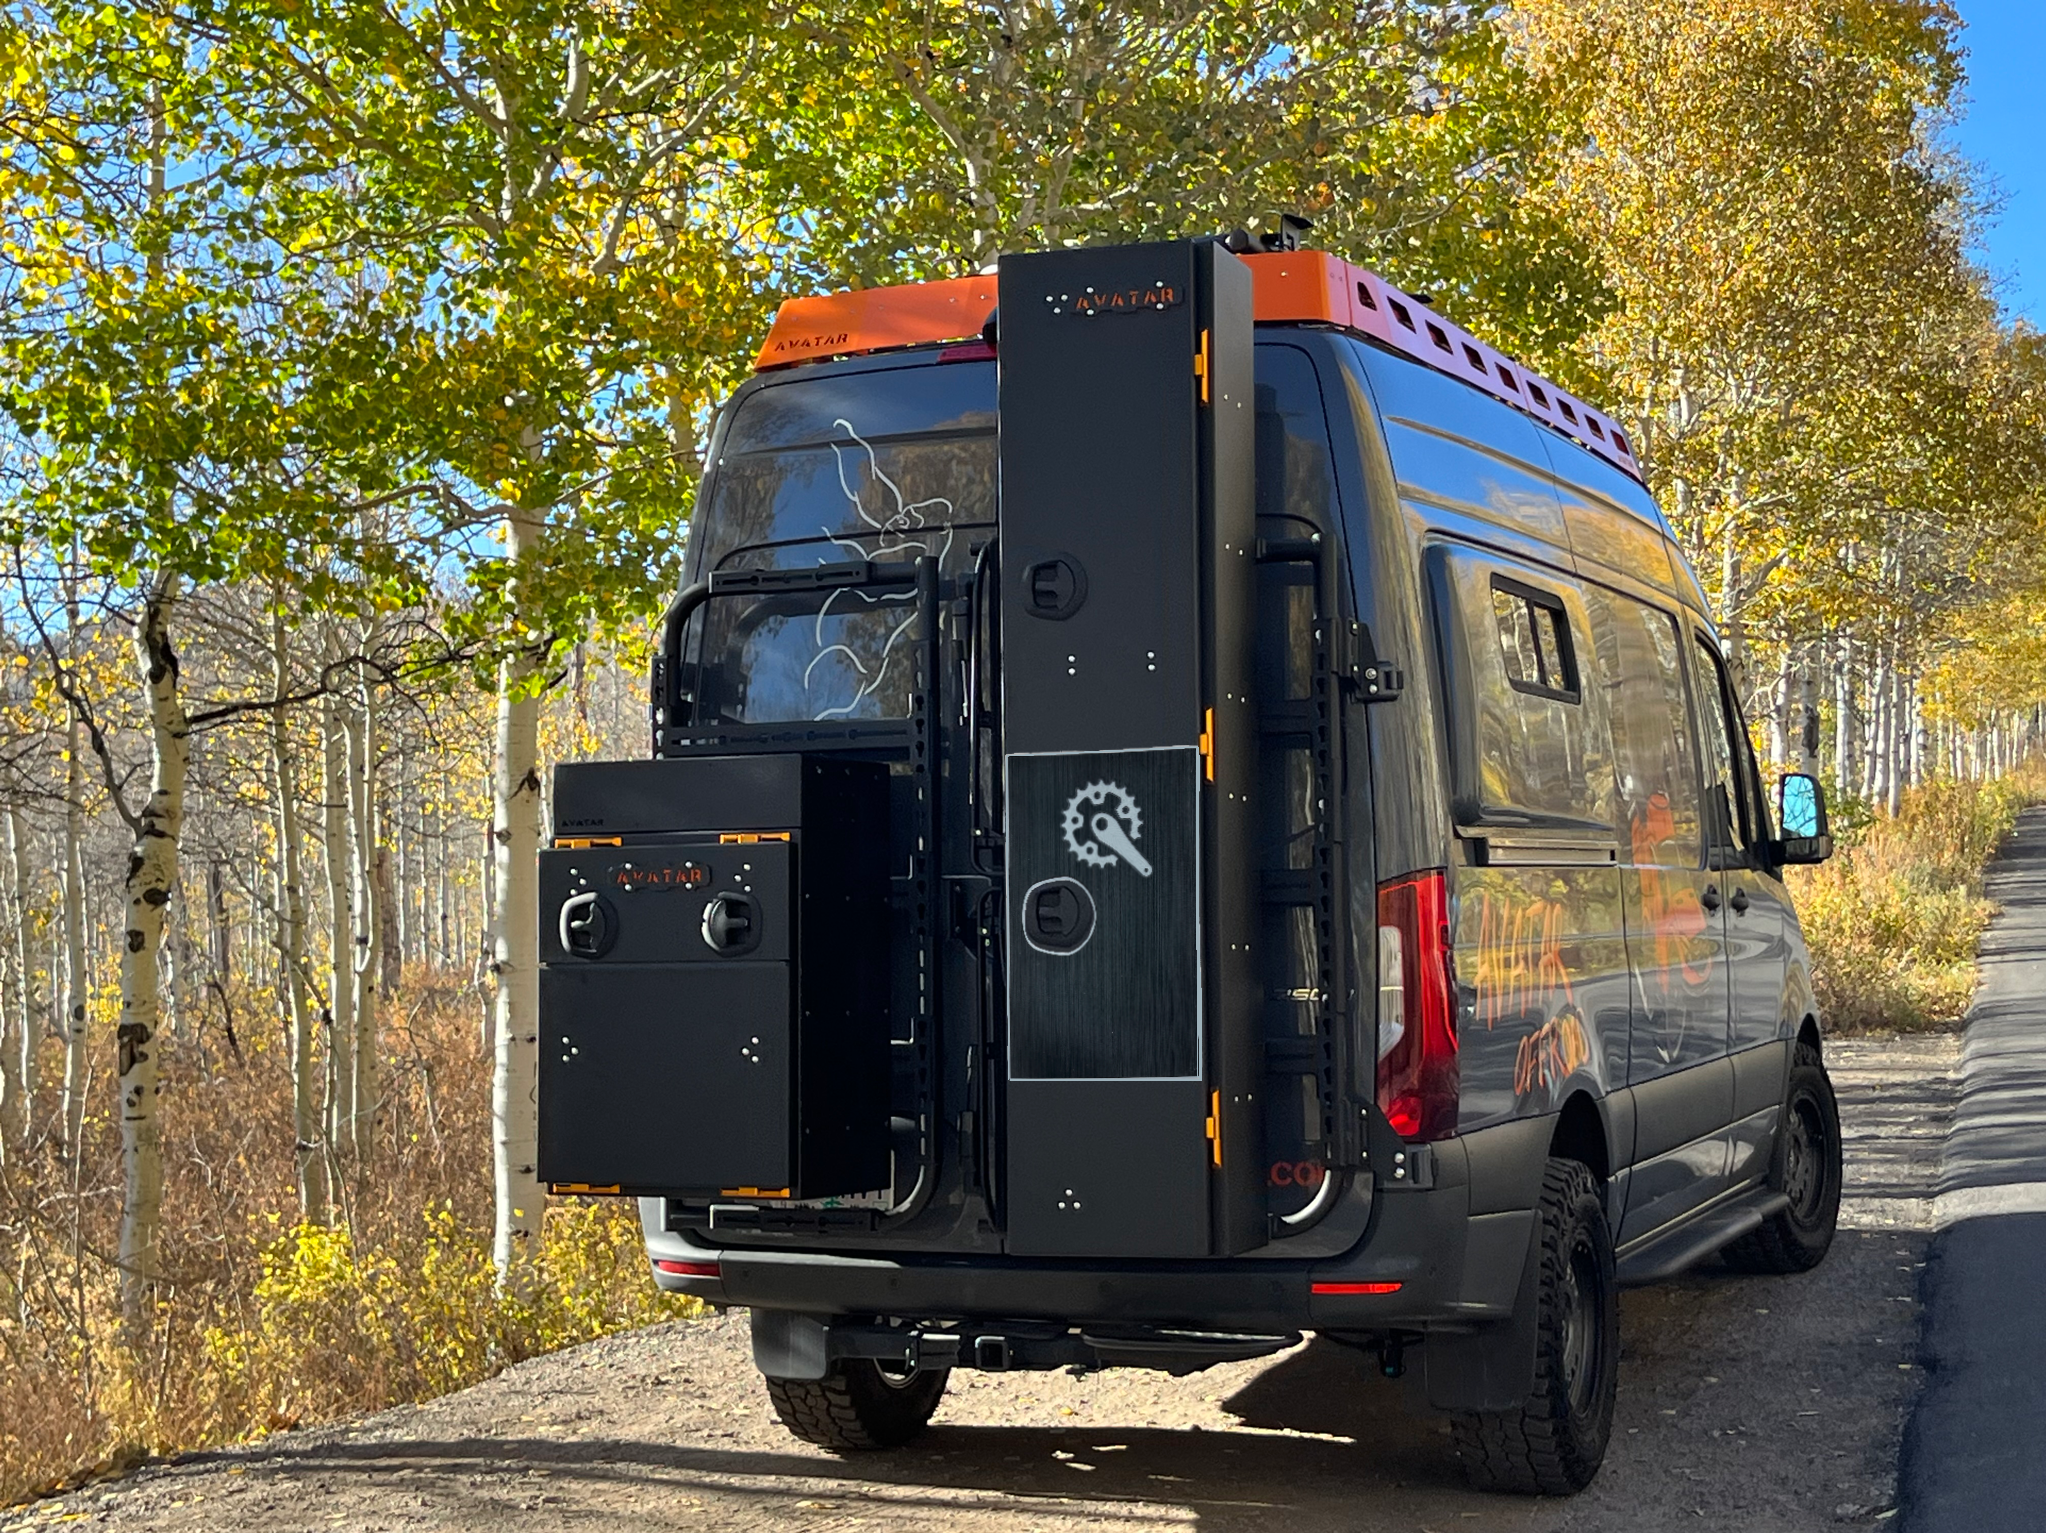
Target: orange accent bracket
point(877, 319)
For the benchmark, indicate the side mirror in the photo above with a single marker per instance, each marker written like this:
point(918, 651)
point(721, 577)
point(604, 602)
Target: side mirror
point(1801, 811)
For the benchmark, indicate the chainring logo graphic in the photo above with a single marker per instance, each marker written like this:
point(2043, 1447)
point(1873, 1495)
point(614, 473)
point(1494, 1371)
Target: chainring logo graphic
point(1103, 824)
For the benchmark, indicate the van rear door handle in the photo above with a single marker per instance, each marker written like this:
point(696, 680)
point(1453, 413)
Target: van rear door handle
point(1710, 898)
point(1739, 902)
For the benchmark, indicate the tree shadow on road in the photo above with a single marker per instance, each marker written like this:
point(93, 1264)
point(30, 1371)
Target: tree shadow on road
point(1319, 1429)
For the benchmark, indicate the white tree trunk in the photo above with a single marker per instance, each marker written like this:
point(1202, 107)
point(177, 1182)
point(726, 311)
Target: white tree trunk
point(1846, 725)
point(390, 952)
point(369, 962)
point(1897, 739)
point(405, 925)
point(334, 791)
point(13, 1018)
point(1782, 702)
point(152, 874)
point(75, 1060)
point(309, 1151)
point(514, 1114)
point(1807, 743)
point(28, 1027)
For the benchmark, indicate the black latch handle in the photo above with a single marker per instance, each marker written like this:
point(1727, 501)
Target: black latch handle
point(588, 926)
point(731, 924)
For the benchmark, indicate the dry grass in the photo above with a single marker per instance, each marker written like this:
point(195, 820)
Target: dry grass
point(264, 1323)
point(1894, 919)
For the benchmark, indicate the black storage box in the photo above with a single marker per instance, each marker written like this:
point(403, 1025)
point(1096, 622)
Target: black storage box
point(714, 978)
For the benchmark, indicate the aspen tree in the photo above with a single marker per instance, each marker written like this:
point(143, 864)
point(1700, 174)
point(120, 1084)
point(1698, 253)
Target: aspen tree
point(73, 1007)
point(577, 160)
point(311, 1154)
point(359, 725)
point(338, 858)
point(152, 875)
point(514, 1122)
point(13, 981)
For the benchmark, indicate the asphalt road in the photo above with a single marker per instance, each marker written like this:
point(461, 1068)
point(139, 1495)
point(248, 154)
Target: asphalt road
point(1745, 1403)
point(1975, 1455)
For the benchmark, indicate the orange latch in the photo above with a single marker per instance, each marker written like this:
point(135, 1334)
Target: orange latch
point(563, 1189)
point(1207, 742)
point(1215, 1124)
point(584, 843)
point(748, 838)
point(754, 1192)
point(1202, 367)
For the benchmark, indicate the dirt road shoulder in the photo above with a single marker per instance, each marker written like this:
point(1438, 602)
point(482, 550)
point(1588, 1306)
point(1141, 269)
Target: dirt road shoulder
point(1757, 1403)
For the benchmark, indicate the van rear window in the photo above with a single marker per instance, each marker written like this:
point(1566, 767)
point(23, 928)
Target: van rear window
point(887, 464)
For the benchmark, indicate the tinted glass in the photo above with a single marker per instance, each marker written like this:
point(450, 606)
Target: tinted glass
point(1516, 637)
point(888, 466)
point(1541, 755)
point(1722, 790)
point(1533, 639)
point(1654, 762)
point(1294, 474)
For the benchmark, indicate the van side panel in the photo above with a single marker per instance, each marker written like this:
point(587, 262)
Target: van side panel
point(1542, 953)
point(1541, 947)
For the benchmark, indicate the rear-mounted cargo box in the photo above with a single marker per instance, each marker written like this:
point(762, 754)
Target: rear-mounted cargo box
point(714, 978)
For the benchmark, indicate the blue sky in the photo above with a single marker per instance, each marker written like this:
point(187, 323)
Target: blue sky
point(2002, 132)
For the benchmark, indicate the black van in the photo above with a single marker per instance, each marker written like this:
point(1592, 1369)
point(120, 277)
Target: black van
point(1192, 802)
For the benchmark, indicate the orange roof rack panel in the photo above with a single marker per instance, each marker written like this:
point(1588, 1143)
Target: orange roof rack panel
point(1289, 286)
point(1315, 287)
point(877, 319)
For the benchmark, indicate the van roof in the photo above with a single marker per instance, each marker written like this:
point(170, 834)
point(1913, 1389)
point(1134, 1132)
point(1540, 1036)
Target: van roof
point(1290, 287)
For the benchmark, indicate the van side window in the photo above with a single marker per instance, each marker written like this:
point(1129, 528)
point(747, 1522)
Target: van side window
point(1640, 663)
point(1725, 822)
point(1530, 748)
point(1534, 635)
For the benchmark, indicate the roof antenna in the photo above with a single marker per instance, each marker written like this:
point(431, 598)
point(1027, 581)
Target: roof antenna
point(1287, 235)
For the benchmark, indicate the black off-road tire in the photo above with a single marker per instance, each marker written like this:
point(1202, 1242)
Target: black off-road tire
point(1807, 1167)
point(858, 1407)
point(1554, 1441)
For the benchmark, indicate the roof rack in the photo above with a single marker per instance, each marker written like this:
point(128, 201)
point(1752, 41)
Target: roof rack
point(1290, 286)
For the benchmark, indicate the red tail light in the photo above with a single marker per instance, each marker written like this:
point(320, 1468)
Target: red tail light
point(686, 1269)
point(1417, 1065)
point(1353, 1288)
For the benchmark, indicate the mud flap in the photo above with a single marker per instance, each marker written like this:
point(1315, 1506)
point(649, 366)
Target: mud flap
point(790, 1345)
point(1490, 1368)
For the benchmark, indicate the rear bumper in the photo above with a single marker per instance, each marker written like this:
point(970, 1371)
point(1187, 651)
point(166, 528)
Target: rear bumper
point(1452, 1269)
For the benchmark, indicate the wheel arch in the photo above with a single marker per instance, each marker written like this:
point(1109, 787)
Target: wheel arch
point(1583, 1134)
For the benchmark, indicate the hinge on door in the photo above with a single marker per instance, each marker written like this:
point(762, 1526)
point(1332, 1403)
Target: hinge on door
point(1214, 1125)
point(1375, 678)
point(1203, 366)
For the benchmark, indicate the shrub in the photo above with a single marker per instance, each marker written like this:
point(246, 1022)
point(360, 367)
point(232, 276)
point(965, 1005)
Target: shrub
point(1893, 920)
point(262, 1323)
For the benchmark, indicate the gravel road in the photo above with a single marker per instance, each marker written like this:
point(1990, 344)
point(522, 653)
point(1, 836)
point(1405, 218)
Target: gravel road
point(1745, 1403)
